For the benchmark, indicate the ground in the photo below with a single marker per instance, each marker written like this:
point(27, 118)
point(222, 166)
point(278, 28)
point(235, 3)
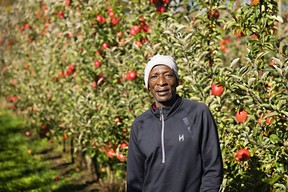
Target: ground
point(79, 180)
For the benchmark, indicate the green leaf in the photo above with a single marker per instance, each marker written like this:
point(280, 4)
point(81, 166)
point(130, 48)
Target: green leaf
point(278, 69)
point(285, 50)
point(281, 103)
point(274, 138)
point(272, 180)
point(261, 54)
point(188, 36)
point(277, 61)
point(278, 18)
point(274, 113)
point(250, 81)
point(236, 77)
point(234, 62)
point(285, 113)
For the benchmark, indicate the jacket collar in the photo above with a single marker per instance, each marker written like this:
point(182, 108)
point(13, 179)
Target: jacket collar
point(168, 110)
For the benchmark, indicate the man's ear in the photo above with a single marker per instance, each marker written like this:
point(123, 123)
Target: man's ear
point(148, 89)
point(177, 84)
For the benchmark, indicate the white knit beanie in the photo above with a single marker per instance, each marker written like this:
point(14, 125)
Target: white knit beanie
point(160, 60)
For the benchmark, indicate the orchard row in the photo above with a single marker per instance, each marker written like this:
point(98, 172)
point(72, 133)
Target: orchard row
point(76, 68)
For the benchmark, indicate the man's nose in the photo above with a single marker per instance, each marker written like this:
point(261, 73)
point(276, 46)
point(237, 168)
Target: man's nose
point(161, 80)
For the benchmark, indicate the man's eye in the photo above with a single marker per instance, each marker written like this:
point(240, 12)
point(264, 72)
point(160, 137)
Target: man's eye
point(153, 77)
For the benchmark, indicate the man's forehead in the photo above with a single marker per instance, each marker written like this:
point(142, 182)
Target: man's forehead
point(161, 66)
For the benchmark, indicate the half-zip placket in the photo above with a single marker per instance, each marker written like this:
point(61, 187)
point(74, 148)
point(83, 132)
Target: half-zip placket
point(162, 135)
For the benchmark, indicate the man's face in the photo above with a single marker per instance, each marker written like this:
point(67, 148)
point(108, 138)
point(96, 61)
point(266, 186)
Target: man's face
point(162, 84)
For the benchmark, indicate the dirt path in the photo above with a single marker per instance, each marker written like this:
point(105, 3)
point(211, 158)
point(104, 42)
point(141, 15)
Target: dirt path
point(77, 180)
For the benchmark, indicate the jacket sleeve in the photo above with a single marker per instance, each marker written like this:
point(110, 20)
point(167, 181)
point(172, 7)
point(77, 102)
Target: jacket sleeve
point(211, 154)
point(135, 164)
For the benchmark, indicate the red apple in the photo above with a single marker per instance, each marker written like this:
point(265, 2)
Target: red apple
point(111, 153)
point(213, 14)
point(269, 120)
point(216, 14)
point(71, 67)
point(242, 155)
point(166, 1)
point(14, 82)
point(142, 20)
point(255, 2)
point(60, 74)
point(145, 28)
point(69, 35)
point(223, 48)
point(27, 26)
point(105, 46)
point(239, 33)
point(272, 63)
point(61, 14)
point(110, 9)
point(123, 145)
point(70, 70)
point(100, 19)
point(154, 2)
point(27, 133)
point(134, 30)
point(255, 36)
point(161, 9)
point(56, 178)
point(217, 90)
point(138, 43)
point(94, 84)
point(131, 75)
point(5, 68)
point(67, 3)
point(46, 24)
point(225, 41)
point(115, 20)
point(118, 120)
point(122, 42)
point(144, 40)
point(241, 116)
point(97, 63)
point(121, 157)
point(29, 151)
point(111, 13)
point(119, 34)
point(65, 136)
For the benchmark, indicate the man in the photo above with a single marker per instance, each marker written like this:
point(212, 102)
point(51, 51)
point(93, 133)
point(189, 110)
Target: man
point(174, 146)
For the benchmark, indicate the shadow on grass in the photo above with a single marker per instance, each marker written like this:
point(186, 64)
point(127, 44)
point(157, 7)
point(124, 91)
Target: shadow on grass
point(76, 187)
point(23, 171)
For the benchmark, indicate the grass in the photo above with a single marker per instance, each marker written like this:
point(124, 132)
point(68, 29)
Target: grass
point(21, 170)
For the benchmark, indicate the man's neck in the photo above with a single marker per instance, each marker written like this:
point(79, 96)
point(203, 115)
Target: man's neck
point(169, 103)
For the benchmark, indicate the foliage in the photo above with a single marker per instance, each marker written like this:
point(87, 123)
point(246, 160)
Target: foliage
point(50, 55)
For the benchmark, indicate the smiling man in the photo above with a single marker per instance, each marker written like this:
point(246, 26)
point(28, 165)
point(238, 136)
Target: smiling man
point(174, 145)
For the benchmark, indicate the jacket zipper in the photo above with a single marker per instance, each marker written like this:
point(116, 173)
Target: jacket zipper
point(162, 135)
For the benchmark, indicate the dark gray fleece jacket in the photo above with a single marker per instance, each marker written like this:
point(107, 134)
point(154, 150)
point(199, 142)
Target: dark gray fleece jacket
point(174, 149)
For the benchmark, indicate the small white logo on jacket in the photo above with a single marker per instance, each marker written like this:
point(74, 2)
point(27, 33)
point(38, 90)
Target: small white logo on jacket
point(181, 138)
